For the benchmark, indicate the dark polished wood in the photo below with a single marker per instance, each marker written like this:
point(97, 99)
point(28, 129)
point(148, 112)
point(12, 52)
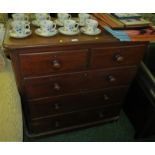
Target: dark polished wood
point(76, 118)
point(76, 82)
point(116, 56)
point(67, 103)
point(58, 40)
point(69, 82)
point(53, 62)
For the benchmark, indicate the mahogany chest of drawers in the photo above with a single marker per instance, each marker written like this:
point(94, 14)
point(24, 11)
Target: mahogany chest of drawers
point(68, 82)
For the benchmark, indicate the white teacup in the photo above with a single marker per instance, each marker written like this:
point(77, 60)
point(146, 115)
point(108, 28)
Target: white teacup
point(47, 26)
point(83, 17)
point(63, 16)
point(20, 16)
point(70, 25)
point(42, 16)
point(20, 28)
point(91, 25)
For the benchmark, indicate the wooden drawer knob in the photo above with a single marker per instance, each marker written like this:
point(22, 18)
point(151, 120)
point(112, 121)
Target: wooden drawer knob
point(105, 97)
point(57, 87)
point(118, 58)
point(57, 124)
point(101, 114)
point(56, 106)
point(110, 78)
point(56, 64)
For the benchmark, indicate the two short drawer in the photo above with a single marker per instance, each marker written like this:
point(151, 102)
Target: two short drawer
point(76, 102)
point(46, 63)
point(72, 83)
point(74, 120)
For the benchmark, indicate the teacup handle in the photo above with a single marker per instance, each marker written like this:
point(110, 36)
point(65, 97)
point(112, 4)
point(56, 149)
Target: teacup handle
point(54, 25)
point(76, 25)
point(69, 17)
point(27, 26)
point(48, 17)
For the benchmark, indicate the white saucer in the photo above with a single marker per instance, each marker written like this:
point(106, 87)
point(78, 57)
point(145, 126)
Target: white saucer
point(62, 31)
point(83, 30)
point(38, 32)
point(35, 23)
point(57, 22)
point(14, 35)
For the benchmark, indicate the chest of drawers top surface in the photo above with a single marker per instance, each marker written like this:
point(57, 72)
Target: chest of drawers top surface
point(58, 39)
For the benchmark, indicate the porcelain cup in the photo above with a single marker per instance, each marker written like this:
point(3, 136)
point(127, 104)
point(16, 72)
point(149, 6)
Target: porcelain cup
point(47, 26)
point(63, 16)
point(20, 28)
point(70, 25)
point(83, 17)
point(42, 16)
point(91, 25)
point(20, 16)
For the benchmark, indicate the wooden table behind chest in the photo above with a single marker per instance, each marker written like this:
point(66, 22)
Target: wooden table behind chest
point(70, 82)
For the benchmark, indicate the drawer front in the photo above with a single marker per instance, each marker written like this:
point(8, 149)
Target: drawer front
point(72, 83)
point(74, 119)
point(45, 63)
point(59, 105)
point(110, 78)
point(116, 56)
point(54, 85)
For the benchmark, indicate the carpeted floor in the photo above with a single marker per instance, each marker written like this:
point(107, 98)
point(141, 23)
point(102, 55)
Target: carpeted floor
point(11, 126)
point(118, 131)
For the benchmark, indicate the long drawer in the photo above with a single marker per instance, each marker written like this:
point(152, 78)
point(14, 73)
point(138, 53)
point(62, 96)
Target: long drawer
point(116, 56)
point(74, 119)
point(71, 83)
point(65, 104)
point(45, 63)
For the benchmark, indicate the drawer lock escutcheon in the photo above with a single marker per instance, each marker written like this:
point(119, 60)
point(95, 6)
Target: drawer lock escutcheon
point(56, 106)
point(101, 114)
point(56, 64)
point(111, 78)
point(57, 87)
point(106, 98)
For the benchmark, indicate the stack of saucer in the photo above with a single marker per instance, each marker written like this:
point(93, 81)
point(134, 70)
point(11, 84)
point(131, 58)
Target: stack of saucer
point(86, 31)
point(13, 34)
point(43, 33)
point(64, 31)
